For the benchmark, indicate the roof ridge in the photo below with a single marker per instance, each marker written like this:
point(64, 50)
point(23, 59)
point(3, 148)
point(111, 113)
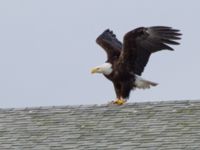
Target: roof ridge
point(103, 105)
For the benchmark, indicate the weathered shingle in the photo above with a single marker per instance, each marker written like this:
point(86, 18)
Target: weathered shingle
point(149, 125)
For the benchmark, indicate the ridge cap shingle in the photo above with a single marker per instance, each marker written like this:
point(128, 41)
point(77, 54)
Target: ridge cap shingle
point(167, 102)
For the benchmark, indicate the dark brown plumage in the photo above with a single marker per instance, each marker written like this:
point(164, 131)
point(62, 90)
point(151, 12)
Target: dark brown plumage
point(130, 58)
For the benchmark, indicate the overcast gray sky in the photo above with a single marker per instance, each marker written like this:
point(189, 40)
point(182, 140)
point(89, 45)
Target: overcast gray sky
point(47, 48)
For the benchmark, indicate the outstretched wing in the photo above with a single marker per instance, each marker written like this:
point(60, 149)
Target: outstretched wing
point(108, 41)
point(141, 42)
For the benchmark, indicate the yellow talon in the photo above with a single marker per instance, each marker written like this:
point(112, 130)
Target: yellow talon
point(119, 101)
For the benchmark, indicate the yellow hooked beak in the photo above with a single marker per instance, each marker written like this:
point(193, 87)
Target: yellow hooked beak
point(94, 70)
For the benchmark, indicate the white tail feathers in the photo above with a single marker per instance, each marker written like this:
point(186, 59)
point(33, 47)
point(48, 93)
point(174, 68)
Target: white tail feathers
point(141, 83)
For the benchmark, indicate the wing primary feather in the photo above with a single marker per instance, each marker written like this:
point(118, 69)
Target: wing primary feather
point(170, 42)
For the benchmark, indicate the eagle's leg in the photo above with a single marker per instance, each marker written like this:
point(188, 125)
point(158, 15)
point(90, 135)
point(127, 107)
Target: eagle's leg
point(119, 101)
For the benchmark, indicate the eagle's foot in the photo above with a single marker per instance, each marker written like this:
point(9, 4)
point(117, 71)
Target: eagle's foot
point(119, 101)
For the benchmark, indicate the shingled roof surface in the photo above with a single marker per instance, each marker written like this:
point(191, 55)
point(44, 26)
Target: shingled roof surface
point(139, 126)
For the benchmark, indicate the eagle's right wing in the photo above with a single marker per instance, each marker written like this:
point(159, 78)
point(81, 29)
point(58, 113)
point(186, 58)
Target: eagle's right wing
point(140, 43)
point(108, 41)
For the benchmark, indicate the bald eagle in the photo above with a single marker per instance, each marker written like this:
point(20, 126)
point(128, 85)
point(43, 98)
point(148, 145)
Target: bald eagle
point(126, 61)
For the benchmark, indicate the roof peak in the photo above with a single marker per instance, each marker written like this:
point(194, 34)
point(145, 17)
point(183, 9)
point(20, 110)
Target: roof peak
point(81, 106)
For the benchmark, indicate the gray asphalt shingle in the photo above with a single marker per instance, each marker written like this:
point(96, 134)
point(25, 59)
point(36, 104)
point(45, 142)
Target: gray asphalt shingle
point(150, 125)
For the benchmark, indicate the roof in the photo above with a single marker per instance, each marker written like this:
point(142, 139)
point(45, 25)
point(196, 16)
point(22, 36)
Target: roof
point(139, 126)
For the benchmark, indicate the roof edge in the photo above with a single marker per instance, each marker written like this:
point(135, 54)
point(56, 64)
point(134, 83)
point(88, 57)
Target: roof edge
point(106, 105)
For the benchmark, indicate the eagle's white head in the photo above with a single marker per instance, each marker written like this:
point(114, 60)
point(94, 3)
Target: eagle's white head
point(105, 68)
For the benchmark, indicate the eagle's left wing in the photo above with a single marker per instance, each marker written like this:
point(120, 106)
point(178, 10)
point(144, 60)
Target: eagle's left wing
point(108, 41)
point(138, 45)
